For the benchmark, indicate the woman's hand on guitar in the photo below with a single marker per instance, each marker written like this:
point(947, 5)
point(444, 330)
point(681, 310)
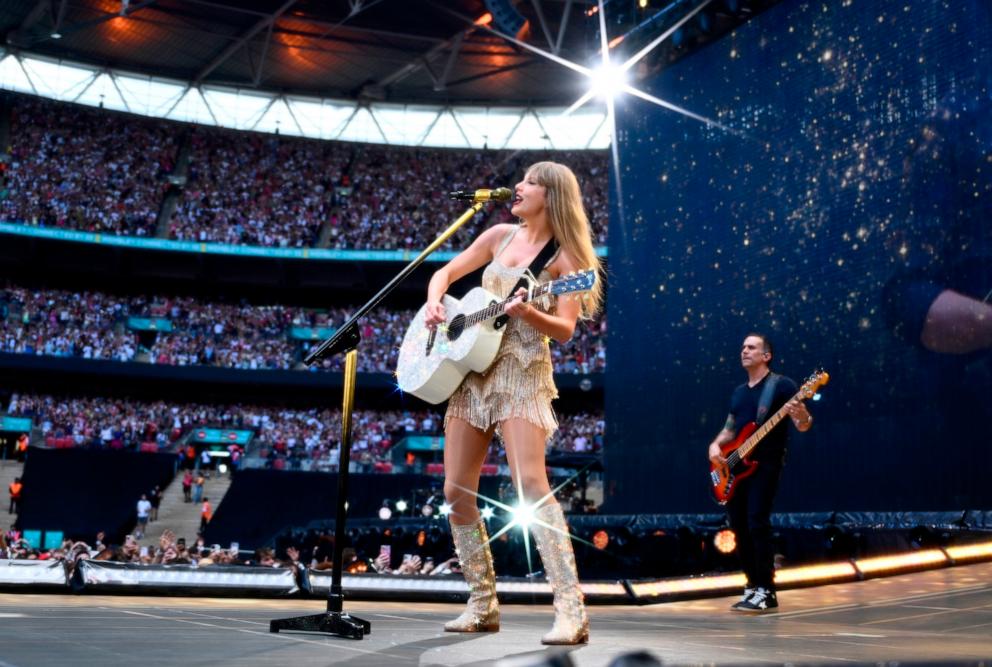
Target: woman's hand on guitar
point(517, 307)
point(435, 314)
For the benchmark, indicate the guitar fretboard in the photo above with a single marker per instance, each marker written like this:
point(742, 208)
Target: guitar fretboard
point(496, 309)
point(756, 437)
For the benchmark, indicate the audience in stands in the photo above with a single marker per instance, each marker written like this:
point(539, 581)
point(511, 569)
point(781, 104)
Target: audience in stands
point(94, 325)
point(580, 433)
point(284, 437)
point(245, 188)
point(82, 168)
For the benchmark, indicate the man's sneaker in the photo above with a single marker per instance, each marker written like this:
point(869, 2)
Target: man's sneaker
point(761, 600)
point(748, 592)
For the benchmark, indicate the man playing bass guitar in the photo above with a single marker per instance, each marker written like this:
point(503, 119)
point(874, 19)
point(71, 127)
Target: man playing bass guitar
point(749, 508)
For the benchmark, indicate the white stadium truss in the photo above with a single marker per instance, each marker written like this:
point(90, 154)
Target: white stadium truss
point(512, 128)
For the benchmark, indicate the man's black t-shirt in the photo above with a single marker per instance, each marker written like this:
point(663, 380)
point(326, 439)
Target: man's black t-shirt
point(744, 409)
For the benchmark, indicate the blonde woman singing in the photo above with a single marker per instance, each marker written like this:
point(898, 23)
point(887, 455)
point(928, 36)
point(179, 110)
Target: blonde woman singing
point(513, 396)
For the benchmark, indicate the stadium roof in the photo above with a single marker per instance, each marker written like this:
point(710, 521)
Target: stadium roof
point(511, 74)
point(409, 51)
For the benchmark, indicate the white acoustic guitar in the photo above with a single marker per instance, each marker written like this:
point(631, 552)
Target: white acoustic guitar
point(433, 362)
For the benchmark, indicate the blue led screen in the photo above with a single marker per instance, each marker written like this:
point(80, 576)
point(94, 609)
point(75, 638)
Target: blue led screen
point(839, 201)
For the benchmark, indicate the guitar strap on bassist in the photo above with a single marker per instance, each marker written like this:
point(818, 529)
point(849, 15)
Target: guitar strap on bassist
point(765, 400)
point(540, 262)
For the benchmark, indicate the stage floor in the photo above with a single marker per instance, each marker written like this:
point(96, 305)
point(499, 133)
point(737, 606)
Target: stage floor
point(938, 615)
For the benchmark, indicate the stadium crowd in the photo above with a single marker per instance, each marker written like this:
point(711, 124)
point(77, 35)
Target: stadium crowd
point(80, 168)
point(94, 325)
point(291, 434)
point(254, 189)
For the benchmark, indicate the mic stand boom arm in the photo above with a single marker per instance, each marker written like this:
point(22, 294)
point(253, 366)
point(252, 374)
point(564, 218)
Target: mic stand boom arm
point(347, 337)
point(335, 620)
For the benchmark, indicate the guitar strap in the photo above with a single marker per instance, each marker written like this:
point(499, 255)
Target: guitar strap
point(543, 259)
point(765, 400)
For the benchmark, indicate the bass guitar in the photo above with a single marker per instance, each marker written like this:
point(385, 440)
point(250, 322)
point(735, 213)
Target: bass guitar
point(434, 361)
point(725, 478)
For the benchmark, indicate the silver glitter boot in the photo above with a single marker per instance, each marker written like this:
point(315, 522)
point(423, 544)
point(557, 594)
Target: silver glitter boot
point(555, 544)
point(472, 547)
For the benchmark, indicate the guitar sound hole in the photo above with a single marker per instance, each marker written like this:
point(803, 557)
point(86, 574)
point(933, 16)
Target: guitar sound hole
point(456, 327)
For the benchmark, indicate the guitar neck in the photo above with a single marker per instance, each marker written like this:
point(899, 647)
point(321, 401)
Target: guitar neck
point(763, 430)
point(496, 309)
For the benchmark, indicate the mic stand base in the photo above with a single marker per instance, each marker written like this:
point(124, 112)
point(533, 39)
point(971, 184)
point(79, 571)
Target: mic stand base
point(330, 622)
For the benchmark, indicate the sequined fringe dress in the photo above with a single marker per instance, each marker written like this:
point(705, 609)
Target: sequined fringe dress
point(519, 383)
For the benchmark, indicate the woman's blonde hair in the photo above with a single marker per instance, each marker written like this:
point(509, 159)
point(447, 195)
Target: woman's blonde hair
point(570, 224)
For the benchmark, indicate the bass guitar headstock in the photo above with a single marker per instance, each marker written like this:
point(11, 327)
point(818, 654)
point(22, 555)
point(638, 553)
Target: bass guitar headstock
point(813, 383)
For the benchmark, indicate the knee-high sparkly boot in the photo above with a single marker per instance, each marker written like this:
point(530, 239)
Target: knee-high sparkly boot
point(555, 545)
point(472, 547)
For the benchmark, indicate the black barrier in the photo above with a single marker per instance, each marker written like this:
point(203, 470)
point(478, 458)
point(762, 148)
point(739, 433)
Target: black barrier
point(155, 381)
point(970, 519)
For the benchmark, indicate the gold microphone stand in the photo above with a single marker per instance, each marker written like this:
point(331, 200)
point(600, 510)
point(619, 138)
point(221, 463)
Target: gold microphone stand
point(335, 620)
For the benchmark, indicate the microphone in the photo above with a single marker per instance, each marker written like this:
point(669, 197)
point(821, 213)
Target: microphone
point(499, 194)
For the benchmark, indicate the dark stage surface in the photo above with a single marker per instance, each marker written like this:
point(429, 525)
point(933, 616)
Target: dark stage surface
point(937, 615)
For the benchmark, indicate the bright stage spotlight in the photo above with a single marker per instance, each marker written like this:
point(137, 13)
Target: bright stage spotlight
point(523, 514)
point(600, 539)
point(725, 541)
point(445, 509)
point(385, 513)
point(487, 513)
point(401, 506)
point(607, 80)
